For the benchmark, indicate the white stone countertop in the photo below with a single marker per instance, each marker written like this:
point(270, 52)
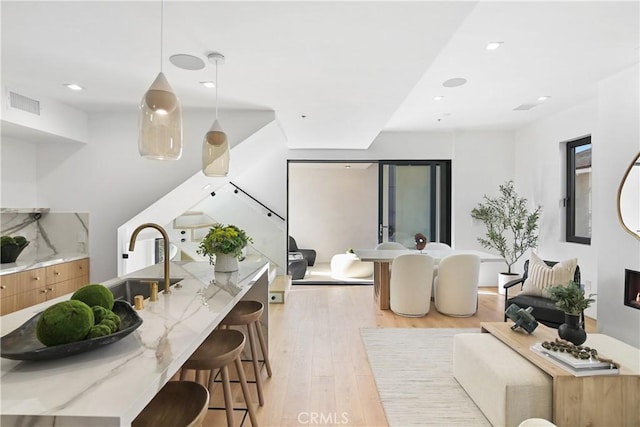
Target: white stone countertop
point(23, 265)
point(109, 386)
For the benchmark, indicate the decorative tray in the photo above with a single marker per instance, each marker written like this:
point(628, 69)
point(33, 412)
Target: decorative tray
point(576, 366)
point(22, 344)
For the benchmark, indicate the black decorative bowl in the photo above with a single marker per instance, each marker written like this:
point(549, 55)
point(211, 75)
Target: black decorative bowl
point(9, 252)
point(22, 343)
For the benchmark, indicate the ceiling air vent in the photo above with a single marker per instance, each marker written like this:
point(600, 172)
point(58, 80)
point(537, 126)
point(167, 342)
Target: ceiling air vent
point(524, 107)
point(24, 103)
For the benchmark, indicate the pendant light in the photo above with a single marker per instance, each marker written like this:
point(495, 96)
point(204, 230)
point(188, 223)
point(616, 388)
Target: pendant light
point(215, 146)
point(160, 118)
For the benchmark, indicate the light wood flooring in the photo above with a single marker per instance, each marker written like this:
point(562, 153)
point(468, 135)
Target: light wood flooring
point(321, 375)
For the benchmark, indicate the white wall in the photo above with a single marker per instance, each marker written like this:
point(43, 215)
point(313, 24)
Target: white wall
point(612, 118)
point(333, 209)
point(540, 176)
point(18, 171)
point(107, 177)
point(482, 160)
point(617, 143)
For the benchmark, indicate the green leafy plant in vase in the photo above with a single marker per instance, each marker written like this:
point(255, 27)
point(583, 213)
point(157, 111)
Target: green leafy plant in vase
point(571, 299)
point(223, 245)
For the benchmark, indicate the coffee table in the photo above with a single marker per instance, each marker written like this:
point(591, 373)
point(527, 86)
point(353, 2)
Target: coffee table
point(601, 400)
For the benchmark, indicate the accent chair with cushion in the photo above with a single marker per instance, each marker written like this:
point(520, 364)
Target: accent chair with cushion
point(308, 254)
point(538, 275)
point(456, 286)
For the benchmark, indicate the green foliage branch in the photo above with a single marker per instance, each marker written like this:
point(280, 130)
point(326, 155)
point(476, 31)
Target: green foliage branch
point(570, 298)
point(511, 226)
point(225, 239)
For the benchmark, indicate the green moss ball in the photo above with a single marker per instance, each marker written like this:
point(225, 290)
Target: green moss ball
point(94, 294)
point(7, 240)
point(20, 240)
point(98, 331)
point(64, 322)
point(99, 313)
point(114, 318)
point(111, 324)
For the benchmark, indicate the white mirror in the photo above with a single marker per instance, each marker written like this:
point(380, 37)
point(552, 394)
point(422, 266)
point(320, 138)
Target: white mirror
point(629, 199)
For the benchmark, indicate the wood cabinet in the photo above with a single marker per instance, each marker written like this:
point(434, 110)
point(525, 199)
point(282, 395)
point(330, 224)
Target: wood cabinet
point(26, 288)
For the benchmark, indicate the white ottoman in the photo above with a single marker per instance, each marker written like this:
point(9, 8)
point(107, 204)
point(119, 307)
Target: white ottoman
point(348, 265)
point(506, 387)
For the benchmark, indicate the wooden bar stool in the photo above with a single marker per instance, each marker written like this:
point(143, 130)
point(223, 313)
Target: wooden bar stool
point(177, 404)
point(221, 348)
point(248, 313)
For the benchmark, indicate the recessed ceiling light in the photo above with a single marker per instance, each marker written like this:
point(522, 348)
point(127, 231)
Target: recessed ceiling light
point(438, 98)
point(73, 86)
point(187, 62)
point(208, 84)
point(543, 98)
point(493, 45)
point(458, 81)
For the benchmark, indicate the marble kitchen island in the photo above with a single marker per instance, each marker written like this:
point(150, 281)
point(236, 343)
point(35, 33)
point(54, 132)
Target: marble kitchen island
point(111, 385)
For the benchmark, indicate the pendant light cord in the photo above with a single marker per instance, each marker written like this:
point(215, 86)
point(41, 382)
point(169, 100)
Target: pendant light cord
point(161, 30)
point(216, 89)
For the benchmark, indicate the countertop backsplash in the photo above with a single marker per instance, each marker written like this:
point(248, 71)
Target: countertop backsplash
point(50, 233)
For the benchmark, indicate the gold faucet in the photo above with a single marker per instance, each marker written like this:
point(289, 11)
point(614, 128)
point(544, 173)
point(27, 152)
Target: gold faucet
point(162, 231)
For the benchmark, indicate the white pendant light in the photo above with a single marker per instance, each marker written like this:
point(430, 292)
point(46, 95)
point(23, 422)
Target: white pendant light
point(160, 117)
point(215, 145)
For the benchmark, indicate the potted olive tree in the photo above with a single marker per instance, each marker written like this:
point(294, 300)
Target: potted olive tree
point(571, 299)
point(512, 228)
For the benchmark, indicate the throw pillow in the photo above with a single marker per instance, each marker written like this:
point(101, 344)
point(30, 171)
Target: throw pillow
point(540, 276)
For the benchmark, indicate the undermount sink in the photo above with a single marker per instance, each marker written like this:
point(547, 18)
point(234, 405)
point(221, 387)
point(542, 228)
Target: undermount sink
point(129, 288)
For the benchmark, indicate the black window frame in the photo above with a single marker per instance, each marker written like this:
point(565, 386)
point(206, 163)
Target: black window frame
point(570, 208)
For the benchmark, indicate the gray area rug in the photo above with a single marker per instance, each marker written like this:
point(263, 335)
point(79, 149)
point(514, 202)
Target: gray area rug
point(413, 371)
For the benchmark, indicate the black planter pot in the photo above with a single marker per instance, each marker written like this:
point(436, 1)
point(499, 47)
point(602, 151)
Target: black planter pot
point(571, 330)
point(9, 253)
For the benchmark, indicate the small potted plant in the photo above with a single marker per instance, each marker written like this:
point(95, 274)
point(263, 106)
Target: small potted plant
point(223, 245)
point(511, 227)
point(11, 247)
point(571, 299)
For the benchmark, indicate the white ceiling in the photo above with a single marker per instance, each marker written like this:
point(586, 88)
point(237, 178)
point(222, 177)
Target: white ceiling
point(352, 68)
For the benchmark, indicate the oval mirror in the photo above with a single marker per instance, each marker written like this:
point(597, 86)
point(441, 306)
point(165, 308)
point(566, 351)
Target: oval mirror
point(629, 199)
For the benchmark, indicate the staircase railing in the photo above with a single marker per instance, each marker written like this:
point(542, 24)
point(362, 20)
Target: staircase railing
point(270, 211)
point(224, 206)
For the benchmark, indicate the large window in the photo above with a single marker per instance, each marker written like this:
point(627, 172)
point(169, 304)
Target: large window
point(578, 198)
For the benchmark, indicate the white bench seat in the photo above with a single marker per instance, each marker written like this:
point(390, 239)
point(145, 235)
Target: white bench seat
point(506, 387)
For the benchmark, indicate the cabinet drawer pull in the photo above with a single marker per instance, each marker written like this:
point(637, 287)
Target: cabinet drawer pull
point(3, 287)
point(36, 278)
point(57, 273)
point(50, 289)
point(44, 291)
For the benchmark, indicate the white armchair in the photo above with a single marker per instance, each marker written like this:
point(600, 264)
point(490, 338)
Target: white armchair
point(390, 245)
point(410, 286)
point(437, 246)
point(456, 285)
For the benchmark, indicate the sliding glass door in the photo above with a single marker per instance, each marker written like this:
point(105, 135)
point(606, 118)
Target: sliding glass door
point(415, 197)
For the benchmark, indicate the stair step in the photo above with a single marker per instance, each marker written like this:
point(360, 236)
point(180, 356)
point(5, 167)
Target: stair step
point(279, 288)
